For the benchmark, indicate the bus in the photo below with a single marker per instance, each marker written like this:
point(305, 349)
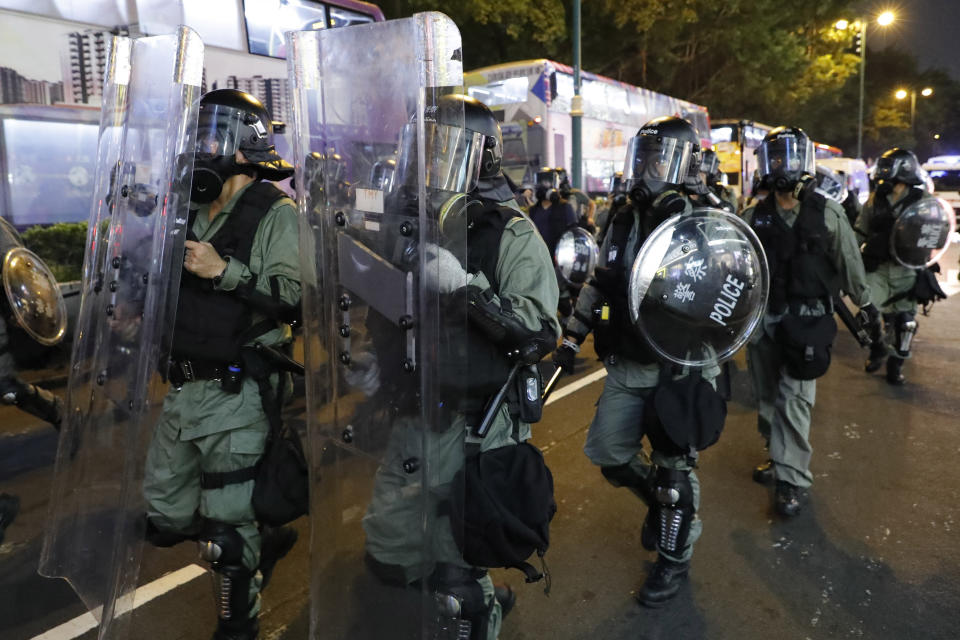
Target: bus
point(736, 142)
point(52, 57)
point(532, 99)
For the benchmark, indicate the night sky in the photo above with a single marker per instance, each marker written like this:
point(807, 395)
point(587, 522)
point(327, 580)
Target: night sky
point(930, 29)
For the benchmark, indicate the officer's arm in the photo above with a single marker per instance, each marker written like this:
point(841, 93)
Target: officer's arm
point(276, 288)
point(524, 310)
point(845, 251)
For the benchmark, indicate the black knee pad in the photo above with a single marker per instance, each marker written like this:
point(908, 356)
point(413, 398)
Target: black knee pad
point(674, 495)
point(462, 611)
point(222, 546)
point(905, 330)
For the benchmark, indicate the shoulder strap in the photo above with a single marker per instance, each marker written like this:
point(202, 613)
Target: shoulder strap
point(488, 220)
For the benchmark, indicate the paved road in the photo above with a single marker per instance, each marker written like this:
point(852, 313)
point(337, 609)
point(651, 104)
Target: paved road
point(874, 555)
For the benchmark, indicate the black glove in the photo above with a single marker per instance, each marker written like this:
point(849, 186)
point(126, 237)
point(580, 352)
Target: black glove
point(669, 203)
point(566, 355)
point(805, 185)
point(869, 317)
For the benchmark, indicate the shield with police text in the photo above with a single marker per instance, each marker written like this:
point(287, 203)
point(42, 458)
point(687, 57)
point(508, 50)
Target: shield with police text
point(698, 287)
point(576, 256)
point(921, 233)
point(134, 255)
point(382, 261)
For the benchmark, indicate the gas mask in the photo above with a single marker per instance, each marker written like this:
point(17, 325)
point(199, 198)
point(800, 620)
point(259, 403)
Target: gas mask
point(209, 175)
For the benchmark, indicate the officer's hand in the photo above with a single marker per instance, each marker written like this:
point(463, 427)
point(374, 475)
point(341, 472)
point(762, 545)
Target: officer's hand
point(805, 185)
point(669, 203)
point(442, 272)
point(202, 260)
point(566, 354)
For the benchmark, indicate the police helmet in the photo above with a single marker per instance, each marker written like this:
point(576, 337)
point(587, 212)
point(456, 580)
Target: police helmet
point(784, 156)
point(659, 157)
point(232, 120)
point(899, 165)
point(830, 184)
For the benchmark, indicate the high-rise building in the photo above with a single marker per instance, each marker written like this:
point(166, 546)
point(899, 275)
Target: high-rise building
point(272, 92)
point(83, 62)
point(15, 89)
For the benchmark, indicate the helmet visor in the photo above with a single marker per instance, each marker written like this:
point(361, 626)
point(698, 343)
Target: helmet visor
point(221, 130)
point(656, 160)
point(787, 156)
point(453, 157)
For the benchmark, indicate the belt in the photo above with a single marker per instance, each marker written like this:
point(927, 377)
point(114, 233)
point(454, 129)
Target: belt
point(181, 371)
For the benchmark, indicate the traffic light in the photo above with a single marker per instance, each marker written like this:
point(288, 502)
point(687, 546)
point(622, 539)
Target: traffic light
point(856, 45)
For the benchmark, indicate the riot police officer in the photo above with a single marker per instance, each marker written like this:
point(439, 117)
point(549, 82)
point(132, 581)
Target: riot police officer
point(711, 176)
point(812, 253)
point(241, 280)
point(658, 162)
point(507, 280)
point(899, 185)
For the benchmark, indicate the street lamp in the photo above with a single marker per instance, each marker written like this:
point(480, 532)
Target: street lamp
point(901, 94)
point(884, 19)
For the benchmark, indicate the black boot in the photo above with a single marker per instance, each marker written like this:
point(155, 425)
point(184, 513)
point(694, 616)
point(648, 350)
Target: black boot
point(663, 582)
point(787, 499)
point(276, 542)
point(9, 508)
point(764, 473)
point(237, 630)
point(894, 371)
point(878, 352)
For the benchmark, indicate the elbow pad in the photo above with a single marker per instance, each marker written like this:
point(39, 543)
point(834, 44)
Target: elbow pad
point(505, 329)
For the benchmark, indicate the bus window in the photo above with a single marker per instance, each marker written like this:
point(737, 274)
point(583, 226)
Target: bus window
point(721, 134)
point(509, 91)
point(340, 17)
point(268, 21)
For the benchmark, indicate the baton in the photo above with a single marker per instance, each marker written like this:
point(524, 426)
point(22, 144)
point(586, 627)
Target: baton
point(548, 389)
point(279, 359)
point(858, 332)
point(494, 405)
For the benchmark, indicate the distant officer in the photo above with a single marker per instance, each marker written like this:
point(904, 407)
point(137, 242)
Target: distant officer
point(712, 176)
point(812, 254)
point(899, 185)
point(657, 165)
point(241, 277)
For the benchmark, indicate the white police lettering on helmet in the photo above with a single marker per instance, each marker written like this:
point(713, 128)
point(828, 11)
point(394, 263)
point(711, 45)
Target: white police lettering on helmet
point(727, 300)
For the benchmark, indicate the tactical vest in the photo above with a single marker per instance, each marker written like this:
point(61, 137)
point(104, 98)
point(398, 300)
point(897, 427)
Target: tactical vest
point(800, 269)
point(877, 248)
point(212, 325)
point(469, 362)
point(617, 336)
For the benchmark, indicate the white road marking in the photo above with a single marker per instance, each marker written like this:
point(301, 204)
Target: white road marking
point(573, 387)
point(84, 623)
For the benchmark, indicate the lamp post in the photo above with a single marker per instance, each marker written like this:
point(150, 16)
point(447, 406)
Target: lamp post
point(884, 19)
point(576, 107)
point(901, 94)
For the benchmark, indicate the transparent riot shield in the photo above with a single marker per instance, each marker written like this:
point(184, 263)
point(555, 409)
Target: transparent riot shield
point(385, 349)
point(921, 234)
point(698, 287)
point(576, 256)
point(94, 533)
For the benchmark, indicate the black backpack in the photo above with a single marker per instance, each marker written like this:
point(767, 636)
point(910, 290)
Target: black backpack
point(506, 508)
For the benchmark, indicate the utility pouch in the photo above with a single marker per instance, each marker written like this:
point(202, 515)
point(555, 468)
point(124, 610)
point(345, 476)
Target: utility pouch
point(805, 344)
